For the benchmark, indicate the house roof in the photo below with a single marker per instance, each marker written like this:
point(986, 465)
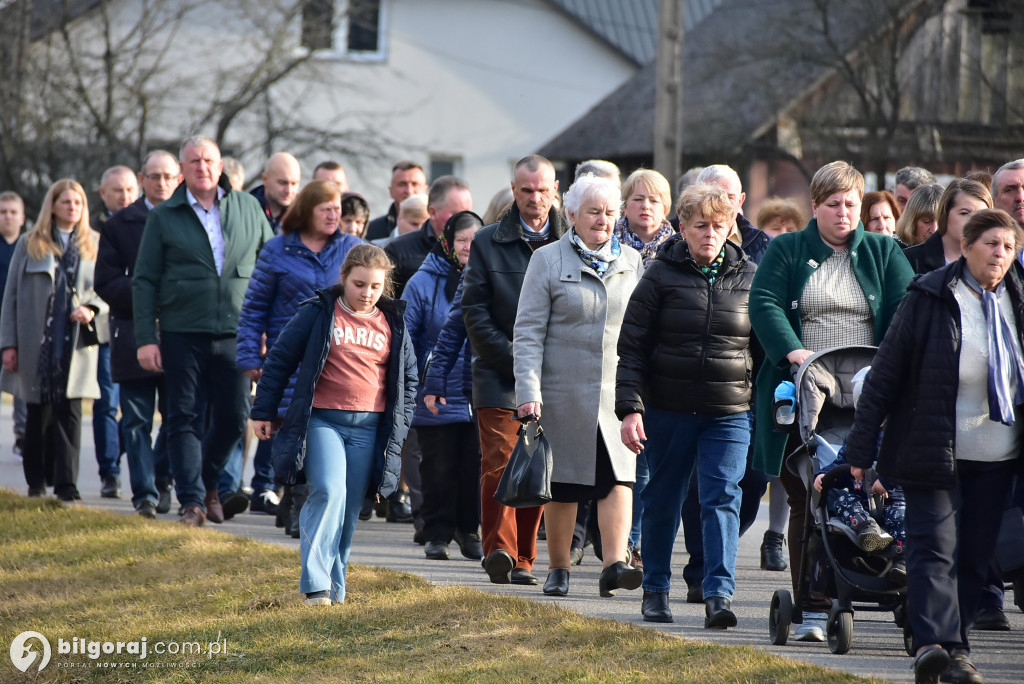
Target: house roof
point(630, 26)
point(744, 64)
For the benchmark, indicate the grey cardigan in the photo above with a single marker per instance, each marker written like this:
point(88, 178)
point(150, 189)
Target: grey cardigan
point(564, 351)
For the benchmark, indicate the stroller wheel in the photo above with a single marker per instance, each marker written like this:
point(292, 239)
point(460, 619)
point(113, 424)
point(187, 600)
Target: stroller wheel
point(839, 631)
point(780, 615)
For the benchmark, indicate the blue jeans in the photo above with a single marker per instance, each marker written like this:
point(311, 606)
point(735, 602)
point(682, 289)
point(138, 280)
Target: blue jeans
point(231, 477)
point(200, 371)
point(718, 445)
point(643, 475)
point(263, 468)
point(104, 419)
point(339, 458)
point(148, 467)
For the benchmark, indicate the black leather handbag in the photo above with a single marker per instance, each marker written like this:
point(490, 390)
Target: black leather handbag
point(526, 481)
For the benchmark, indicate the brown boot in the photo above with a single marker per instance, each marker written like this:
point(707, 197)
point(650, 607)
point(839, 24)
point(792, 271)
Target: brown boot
point(193, 516)
point(214, 511)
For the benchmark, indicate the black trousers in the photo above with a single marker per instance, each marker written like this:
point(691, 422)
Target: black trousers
point(951, 538)
point(450, 477)
point(53, 438)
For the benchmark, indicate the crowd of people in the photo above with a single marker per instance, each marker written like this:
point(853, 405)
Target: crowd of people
point(390, 364)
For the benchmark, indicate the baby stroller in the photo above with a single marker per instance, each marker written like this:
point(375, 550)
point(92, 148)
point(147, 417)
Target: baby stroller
point(823, 416)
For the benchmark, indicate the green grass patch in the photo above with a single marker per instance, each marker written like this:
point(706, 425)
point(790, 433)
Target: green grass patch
point(69, 572)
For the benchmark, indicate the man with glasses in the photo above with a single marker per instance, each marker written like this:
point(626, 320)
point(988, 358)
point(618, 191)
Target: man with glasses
point(148, 467)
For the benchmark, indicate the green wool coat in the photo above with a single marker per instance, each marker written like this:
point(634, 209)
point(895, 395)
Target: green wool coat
point(883, 273)
point(176, 281)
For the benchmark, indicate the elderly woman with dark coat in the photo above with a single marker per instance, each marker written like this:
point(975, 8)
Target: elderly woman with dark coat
point(948, 381)
point(570, 311)
point(683, 392)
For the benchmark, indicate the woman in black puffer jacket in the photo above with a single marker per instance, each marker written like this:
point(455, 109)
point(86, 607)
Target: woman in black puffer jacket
point(949, 380)
point(683, 386)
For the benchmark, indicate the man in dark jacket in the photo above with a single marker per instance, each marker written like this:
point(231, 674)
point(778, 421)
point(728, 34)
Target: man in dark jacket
point(492, 282)
point(448, 195)
point(197, 253)
point(407, 178)
point(281, 177)
point(148, 468)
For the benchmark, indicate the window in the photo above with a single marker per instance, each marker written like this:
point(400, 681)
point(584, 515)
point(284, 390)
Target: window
point(343, 28)
point(444, 165)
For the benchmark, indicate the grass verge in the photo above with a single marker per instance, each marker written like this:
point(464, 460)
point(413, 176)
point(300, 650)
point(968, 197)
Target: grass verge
point(72, 572)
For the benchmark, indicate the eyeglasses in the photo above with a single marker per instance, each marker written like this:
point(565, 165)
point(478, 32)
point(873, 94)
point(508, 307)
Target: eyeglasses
point(166, 177)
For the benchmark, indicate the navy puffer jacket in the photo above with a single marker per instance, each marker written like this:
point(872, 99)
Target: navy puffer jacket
point(685, 345)
point(452, 348)
point(303, 346)
point(913, 384)
point(287, 274)
point(426, 312)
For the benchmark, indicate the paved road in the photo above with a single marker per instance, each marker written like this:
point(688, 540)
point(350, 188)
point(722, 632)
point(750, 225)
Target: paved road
point(877, 644)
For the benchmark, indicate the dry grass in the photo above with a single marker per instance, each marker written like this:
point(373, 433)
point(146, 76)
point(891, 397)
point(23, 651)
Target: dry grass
point(76, 572)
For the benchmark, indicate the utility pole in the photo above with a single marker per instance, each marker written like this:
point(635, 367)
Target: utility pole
point(668, 96)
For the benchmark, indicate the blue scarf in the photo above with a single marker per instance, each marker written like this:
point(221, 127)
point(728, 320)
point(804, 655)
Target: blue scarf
point(648, 250)
point(1005, 368)
point(598, 259)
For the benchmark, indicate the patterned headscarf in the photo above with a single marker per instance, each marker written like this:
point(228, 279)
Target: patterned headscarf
point(598, 259)
point(445, 247)
point(647, 250)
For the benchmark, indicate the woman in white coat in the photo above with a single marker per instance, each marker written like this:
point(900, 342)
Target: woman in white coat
point(49, 356)
point(573, 299)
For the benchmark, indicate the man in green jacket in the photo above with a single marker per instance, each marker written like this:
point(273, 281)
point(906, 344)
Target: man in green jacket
point(198, 251)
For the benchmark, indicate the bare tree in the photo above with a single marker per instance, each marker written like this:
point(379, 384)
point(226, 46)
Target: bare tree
point(88, 84)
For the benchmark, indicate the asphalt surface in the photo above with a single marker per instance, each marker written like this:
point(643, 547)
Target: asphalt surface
point(877, 648)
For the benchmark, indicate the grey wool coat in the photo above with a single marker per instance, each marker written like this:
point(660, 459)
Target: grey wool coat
point(564, 355)
point(29, 283)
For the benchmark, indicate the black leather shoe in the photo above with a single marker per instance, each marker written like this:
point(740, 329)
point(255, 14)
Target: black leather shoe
point(694, 593)
point(234, 503)
point(557, 583)
point(718, 613)
point(111, 488)
point(520, 576)
point(499, 567)
point(436, 550)
point(655, 607)
point(470, 545)
point(930, 662)
point(772, 557)
point(618, 575)
point(163, 503)
point(147, 509)
point(399, 507)
point(961, 670)
point(992, 620)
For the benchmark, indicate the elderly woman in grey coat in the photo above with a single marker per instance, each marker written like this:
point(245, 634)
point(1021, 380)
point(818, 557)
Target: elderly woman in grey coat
point(48, 304)
point(573, 299)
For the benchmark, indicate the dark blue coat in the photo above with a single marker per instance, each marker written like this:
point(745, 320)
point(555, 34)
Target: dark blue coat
point(425, 315)
point(452, 347)
point(303, 345)
point(287, 274)
point(755, 240)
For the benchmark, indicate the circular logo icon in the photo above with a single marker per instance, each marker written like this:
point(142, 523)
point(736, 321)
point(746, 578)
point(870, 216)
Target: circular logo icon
point(24, 656)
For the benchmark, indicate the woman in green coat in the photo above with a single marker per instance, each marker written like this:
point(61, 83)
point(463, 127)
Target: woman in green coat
point(832, 284)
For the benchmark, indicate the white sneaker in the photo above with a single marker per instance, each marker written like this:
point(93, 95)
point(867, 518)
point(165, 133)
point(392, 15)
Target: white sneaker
point(812, 629)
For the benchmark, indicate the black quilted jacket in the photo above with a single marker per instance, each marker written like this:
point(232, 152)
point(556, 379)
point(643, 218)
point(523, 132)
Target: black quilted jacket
point(685, 346)
point(914, 382)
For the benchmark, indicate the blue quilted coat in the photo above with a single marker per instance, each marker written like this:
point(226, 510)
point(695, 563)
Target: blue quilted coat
point(286, 274)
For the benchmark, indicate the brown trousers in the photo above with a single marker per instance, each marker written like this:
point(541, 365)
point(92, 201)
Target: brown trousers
point(511, 529)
